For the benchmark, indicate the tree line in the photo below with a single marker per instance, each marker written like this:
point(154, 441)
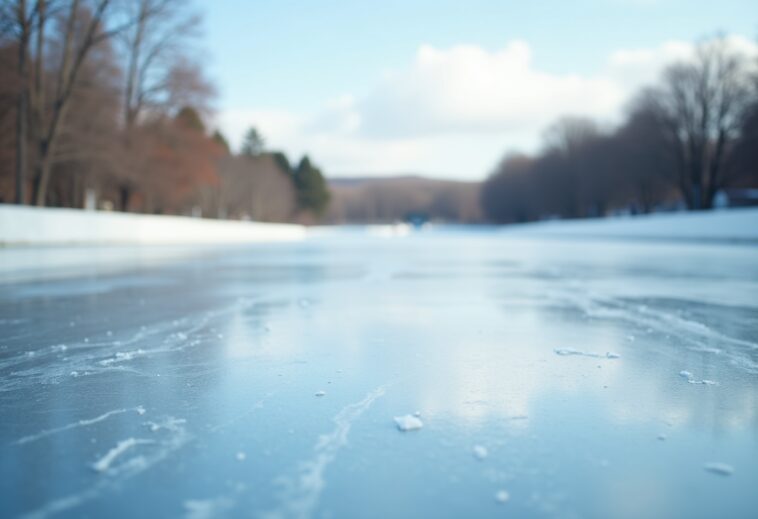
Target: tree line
point(683, 140)
point(393, 199)
point(109, 97)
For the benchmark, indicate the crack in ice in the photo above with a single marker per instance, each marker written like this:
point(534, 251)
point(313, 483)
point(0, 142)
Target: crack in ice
point(303, 495)
point(81, 423)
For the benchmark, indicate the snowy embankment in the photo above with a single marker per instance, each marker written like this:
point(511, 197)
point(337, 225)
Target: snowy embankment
point(740, 225)
point(23, 225)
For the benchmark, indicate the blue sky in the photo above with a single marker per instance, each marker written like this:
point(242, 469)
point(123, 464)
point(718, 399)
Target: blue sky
point(362, 86)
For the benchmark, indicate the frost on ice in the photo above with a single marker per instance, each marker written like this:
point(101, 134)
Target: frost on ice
point(105, 462)
point(408, 422)
point(692, 380)
point(502, 496)
point(565, 352)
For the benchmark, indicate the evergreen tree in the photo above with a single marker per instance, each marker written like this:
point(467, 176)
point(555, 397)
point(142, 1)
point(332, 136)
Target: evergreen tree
point(219, 139)
point(312, 190)
point(253, 144)
point(283, 162)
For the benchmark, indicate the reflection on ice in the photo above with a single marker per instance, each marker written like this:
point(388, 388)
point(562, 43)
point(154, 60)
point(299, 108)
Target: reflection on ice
point(554, 363)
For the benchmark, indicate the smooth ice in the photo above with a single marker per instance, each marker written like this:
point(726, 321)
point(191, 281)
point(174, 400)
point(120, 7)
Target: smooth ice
point(553, 377)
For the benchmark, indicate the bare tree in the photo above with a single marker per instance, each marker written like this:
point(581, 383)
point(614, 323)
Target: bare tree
point(573, 173)
point(645, 168)
point(699, 105)
point(16, 20)
point(82, 27)
point(24, 22)
point(159, 77)
point(156, 50)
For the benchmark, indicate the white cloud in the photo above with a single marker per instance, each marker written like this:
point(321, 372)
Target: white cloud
point(454, 112)
point(468, 89)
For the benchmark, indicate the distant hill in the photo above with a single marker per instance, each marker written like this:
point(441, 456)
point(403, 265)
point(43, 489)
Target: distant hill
point(401, 198)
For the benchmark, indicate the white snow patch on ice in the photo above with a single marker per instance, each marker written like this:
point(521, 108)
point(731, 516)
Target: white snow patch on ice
point(566, 352)
point(480, 452)
point(692, 380)
point(408, 422)
point(123, 356)
point(171, 424)
point(502, 496)
point(163, 448)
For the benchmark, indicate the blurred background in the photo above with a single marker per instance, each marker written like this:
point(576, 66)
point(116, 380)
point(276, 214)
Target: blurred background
point(329, 112)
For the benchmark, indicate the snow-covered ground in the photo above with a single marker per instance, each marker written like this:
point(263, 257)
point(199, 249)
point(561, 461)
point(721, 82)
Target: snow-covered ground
point(451, 373)
point(51, 226)
point(726, 225)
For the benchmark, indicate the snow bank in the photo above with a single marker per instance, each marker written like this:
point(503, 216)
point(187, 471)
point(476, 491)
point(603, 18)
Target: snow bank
point(729, 225)
point(25, 225)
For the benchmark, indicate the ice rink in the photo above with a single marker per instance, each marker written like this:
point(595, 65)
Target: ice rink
point(444, 373)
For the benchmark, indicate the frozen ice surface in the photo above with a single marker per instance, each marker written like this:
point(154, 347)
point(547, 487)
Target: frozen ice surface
point(566, 352)
point(502, 496)
point(722, 469)
point(216, 352)
point(408, 422)
point(692, 380)
point(106, 461)
point(480, 452)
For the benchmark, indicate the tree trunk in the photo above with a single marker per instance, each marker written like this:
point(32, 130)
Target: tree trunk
point(125, 195)
point(42, 179)
point(22, 105)
point(21, 147)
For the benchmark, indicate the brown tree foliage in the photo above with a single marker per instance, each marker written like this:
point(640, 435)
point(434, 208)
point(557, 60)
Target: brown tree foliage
point(109, 97)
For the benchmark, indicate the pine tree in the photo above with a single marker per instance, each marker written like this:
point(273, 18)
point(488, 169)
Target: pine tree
point(253, 144)
point(312, 190)
point(219, 139)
